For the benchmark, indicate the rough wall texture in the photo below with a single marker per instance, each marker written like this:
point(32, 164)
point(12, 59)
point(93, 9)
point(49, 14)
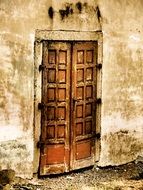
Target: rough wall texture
point(18, 21)
point(122, 109)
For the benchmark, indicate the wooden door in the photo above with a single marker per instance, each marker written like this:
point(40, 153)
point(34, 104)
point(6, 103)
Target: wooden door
point(84, 104)
point(56, 108)
point(68, 106)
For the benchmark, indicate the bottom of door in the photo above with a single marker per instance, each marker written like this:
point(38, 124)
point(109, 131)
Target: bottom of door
point(51, 171)
point(58, 159)
point(54, 159)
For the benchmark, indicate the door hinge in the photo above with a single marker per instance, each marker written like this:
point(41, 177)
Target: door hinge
point(98, 135)
point(41, 106)
point(40, 144)
point(41, 67)
point(98, 101)
point(99, 66)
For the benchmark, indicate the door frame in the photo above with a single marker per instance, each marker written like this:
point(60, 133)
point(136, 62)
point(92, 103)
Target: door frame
point(48, 35)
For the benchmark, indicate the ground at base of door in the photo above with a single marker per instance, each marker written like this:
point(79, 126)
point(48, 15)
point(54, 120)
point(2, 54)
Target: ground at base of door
point(125, 177)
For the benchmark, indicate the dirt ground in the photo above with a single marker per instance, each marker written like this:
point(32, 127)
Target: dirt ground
point(126, 177)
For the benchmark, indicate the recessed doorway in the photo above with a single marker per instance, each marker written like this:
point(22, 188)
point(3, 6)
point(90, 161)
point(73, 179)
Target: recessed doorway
point(70, 105)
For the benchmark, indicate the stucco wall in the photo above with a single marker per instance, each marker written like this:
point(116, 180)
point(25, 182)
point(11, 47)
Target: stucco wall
point(122, 85)
point(18, 21)
point(122, 90)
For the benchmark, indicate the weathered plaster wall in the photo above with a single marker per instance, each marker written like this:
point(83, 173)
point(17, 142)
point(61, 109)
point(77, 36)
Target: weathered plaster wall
point(122, 111)
point(122, 108)
point(82, 15)
point(18, 22)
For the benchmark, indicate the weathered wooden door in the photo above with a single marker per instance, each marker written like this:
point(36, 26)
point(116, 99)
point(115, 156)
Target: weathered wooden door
point(68, 108)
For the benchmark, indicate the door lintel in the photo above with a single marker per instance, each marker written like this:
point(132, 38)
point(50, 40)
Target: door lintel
point(68, 35)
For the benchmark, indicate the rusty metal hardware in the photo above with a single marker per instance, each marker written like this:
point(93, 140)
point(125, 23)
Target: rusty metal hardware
point(41, 106)
point(41, 67)
point(98, 135)
point(98, 101)
point(40, 144)
point(99, 66)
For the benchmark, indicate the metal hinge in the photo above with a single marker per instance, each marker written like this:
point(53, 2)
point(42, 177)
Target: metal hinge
point(41, 106)
point(98, 135)
point(41, 67)
point(99, 66)
point(98, 101)
point(40, 144)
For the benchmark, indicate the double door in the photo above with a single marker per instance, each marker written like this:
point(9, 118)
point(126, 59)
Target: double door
point(68, 113)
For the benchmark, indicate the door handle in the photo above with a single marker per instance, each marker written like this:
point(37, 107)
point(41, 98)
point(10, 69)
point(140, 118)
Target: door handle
point(74, 101)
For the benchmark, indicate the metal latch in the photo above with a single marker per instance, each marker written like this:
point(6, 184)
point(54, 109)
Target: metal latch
point(74, 101)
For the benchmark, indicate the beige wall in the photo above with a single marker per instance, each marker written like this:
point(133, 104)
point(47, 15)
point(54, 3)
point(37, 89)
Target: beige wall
point(18, 21)
point(122, 90)
point(122, 85)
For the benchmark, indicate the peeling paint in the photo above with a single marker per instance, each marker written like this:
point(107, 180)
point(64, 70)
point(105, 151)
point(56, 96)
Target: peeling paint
point(135, 38)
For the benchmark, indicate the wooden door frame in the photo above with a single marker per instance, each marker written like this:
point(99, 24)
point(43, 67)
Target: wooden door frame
point(40, 36)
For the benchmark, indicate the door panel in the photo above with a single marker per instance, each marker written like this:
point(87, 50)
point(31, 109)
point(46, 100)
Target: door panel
point(84, 104)
point(69, 99)
point(55, 115)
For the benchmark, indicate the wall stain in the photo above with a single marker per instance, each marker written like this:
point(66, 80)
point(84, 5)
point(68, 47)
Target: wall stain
point(14, 82)
point(98, 13)
point(122, 146)
point(66, 12)
point(79, 6)
point(51, 12)
point(14, 155)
